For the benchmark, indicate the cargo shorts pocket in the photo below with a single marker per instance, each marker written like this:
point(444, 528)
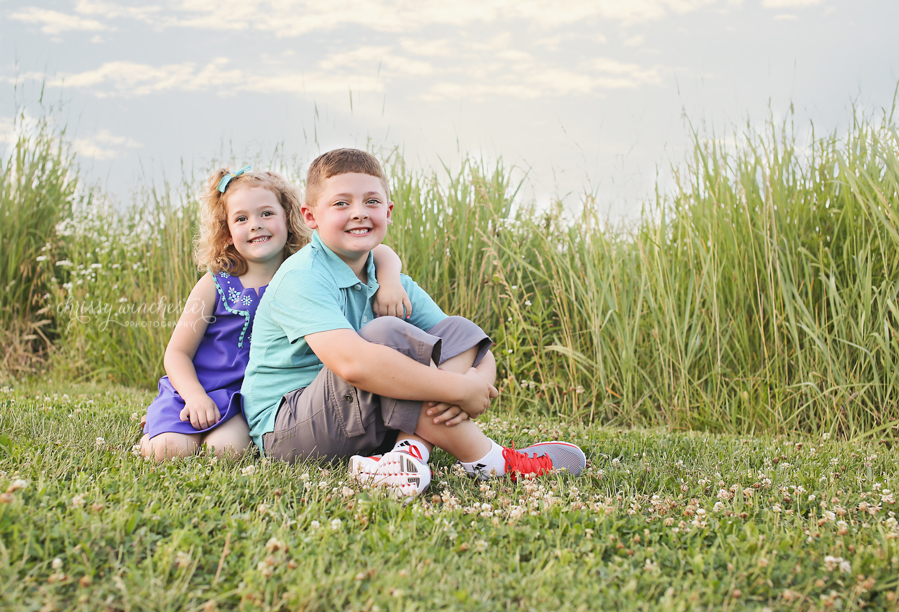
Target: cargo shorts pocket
point(346, 405)
point(281, 444)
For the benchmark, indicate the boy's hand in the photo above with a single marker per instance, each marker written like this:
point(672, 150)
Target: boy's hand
point(390, 300)
point(201, 411)
point(478, 393)
point(449, 414)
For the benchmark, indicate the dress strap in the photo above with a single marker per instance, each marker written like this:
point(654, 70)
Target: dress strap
point(244, 313)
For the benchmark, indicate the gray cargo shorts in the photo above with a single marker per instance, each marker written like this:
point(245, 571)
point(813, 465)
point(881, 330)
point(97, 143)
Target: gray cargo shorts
point(331, 419)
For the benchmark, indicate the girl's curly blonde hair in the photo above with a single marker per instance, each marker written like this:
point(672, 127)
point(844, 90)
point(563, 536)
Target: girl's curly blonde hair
point(212, 250)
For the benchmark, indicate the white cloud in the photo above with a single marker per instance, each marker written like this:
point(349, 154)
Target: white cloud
point(529, 80)
point(789, 3)
point(291, 18)
point(115, 11)
point(103, 145)
point(453, 68)
point(370, 58)
point(633, 41)
point(54, 22)
point(785, 17)
point(129, 79)
point(7, 130)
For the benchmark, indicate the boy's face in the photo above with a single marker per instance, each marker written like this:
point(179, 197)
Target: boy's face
point(351, 214)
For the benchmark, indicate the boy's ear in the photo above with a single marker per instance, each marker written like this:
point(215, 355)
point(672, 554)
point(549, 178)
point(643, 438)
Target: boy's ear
point(389, 213)
point(308, 216)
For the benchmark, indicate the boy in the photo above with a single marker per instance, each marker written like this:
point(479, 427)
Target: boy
point(326, 379)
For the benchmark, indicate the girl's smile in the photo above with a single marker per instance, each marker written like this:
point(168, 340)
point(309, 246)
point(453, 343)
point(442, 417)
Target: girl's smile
point(257, 224)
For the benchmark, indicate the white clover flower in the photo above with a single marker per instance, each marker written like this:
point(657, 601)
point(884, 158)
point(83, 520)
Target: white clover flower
point(99, 442)
point(336, 524)
point(56, 563)
point(248, 471)
point(78, 501)
point(17, 484)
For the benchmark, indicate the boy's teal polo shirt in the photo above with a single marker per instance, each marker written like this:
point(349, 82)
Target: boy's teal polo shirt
point(313, 291)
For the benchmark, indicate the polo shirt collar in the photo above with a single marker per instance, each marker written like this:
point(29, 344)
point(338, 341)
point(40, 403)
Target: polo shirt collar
point(344, 276)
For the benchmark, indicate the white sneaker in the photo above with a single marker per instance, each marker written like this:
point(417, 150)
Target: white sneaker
point(363, 468)
point(403, 473)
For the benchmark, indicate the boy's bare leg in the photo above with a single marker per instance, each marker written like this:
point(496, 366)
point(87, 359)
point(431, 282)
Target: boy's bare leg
point(464, 441)
point(230, 439)
point(169, 445)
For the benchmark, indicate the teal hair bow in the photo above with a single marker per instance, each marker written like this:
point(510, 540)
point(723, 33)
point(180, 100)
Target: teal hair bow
point(223, 184)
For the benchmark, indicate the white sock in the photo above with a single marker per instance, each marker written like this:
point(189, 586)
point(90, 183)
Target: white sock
point(405, 445)
point(490, 465)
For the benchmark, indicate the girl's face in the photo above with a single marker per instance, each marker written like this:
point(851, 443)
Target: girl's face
point(257, 223)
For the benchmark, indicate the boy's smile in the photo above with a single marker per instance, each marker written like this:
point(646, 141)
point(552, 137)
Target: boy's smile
point(351, 215)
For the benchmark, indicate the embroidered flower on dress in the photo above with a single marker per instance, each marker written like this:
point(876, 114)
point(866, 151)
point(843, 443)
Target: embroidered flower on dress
point(247, 300)
point(233, 295)
point(224, 275)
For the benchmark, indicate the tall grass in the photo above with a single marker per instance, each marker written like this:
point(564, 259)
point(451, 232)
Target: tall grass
point(759, 295)
point(38, 182)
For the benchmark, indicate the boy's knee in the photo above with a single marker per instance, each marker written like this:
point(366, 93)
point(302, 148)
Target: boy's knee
point(384, 329)
point(456, 324)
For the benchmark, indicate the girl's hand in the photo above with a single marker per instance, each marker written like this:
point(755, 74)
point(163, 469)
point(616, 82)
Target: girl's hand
point(201, 411)
point(390, 300)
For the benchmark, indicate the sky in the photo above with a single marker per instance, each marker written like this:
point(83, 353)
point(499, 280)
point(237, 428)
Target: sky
point(580, 97)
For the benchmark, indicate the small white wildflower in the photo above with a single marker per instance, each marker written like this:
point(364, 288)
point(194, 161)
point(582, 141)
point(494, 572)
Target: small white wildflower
point(56, 563)
point(314, 525)
point(78, 501)
point(336, 523)
point(17, 484)
point(249, 470)
point(99, 441)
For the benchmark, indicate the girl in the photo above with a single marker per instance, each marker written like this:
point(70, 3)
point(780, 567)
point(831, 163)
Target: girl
point(250, 222)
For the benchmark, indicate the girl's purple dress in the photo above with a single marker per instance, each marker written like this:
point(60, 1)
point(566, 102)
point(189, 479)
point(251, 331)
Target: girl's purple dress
point(220, 362)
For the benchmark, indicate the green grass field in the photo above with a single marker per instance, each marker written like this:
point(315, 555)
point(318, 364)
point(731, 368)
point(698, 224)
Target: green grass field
point(660, 521)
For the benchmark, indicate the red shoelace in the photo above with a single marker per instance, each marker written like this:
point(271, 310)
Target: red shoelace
point(519, 463)
point(413, 450)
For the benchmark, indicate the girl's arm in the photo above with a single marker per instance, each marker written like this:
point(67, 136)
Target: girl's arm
point(391, 298)
point(200, 410)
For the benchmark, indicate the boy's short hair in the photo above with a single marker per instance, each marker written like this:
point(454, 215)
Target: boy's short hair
point(341, 161)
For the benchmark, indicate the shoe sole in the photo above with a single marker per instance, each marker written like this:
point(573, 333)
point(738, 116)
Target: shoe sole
point(397, 472)
point(564, 455)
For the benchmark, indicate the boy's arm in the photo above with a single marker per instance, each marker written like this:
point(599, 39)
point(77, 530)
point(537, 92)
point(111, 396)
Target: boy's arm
point(453, 415)
point(391, 298)
point(384, 371)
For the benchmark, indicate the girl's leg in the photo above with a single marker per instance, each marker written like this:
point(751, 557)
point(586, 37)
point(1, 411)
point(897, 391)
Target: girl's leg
point(169, 445)
point(230, 439)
